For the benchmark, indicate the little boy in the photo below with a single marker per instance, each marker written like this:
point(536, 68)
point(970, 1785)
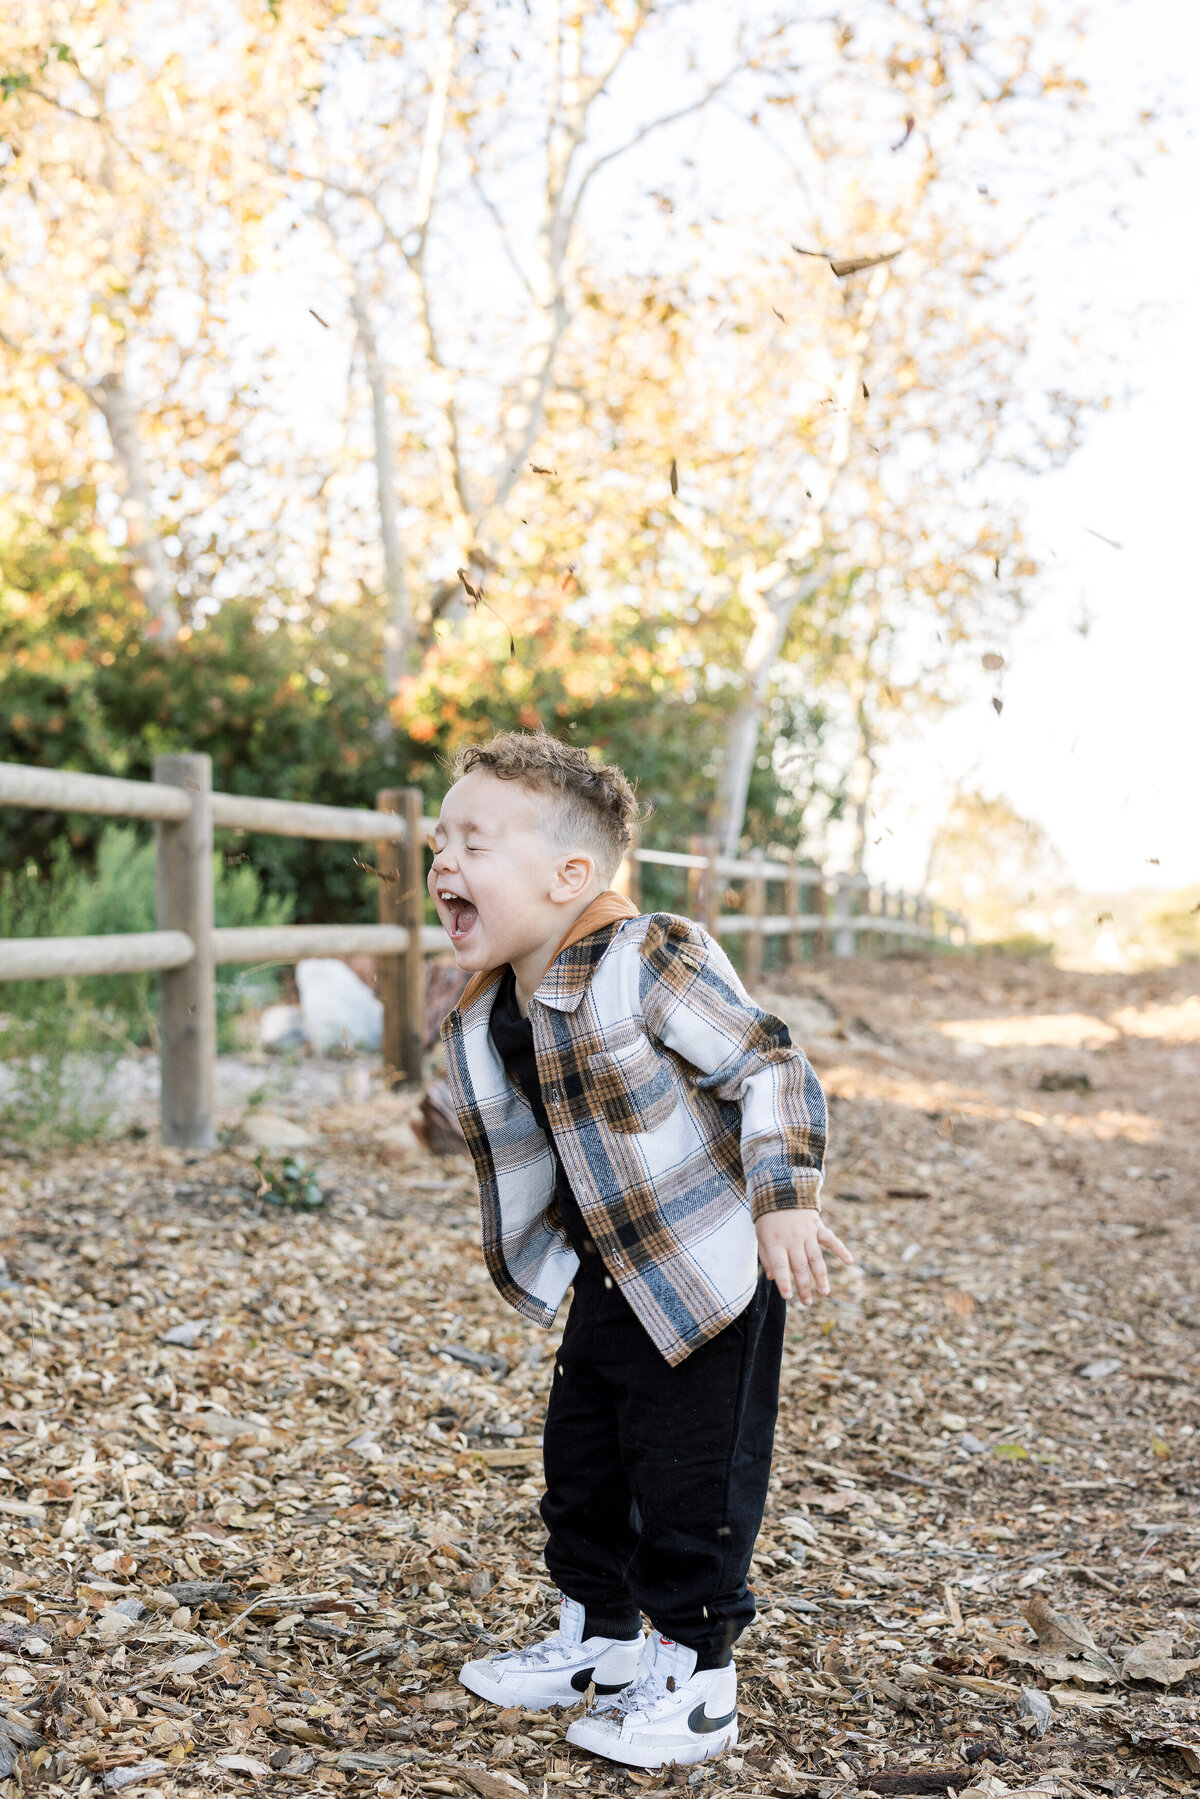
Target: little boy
point(643, 1133)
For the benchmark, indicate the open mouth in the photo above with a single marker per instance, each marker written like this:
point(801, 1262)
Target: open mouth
point(463, 914)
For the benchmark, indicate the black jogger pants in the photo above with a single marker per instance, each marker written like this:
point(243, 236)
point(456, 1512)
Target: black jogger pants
point(656, 1477)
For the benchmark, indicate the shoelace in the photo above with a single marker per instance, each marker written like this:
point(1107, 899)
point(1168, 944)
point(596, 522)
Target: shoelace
point(638, 1696)
point(539, 1655)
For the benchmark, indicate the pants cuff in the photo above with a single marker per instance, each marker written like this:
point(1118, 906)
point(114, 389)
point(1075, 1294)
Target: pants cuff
point(621, 1625)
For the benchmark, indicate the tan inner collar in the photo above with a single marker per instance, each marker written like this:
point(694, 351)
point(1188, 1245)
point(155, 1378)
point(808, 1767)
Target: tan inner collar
point(606, 908)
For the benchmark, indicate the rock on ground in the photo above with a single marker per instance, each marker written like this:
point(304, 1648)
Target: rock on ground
point(339, 1011)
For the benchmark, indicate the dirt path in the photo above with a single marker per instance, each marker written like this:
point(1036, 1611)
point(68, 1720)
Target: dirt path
point(999, 1406)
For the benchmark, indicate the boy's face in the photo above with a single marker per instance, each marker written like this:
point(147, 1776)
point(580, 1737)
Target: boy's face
point(501, 888)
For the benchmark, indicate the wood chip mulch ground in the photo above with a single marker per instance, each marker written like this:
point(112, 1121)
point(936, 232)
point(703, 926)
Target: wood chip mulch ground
point(267, 1479)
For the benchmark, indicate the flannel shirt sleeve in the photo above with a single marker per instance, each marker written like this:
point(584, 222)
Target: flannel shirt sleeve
point(694, 1003)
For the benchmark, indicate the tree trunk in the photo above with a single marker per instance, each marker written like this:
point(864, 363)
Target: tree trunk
point(397, 626)
point(153, 573)
point(865, 771)
point(774, 609)
point(762, 653)
point(865, 765)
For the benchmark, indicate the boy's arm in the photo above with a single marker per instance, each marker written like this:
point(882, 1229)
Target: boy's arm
point(693, 1002)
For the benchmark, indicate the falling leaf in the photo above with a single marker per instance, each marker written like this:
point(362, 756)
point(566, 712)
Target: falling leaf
point(568, 578)
point(779, 315)
point(1104, 918)
point(910, 125)
point(997, 704)
point(1153, 861)
point(388, 876)
point(992, 662)
point(674, 477)
point(474, 594)
point(848, 265)
point(318, 317)
point(1110, 541)
point(539, 470)
point(866, 392)
point(996, 568)
point(854, 265)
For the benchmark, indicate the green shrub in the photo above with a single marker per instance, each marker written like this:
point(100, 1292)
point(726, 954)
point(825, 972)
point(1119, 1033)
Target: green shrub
point(62, 1038)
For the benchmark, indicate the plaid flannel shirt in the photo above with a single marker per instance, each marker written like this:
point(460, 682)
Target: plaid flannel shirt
point(680, 1111)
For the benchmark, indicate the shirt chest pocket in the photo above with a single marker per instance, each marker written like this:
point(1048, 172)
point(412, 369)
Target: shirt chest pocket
point(634, 1086)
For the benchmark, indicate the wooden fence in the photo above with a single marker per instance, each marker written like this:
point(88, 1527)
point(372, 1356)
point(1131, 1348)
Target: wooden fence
point(841, 914)
point(187, 947)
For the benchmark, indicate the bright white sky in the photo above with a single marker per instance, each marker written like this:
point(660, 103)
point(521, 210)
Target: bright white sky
point(1099, 740)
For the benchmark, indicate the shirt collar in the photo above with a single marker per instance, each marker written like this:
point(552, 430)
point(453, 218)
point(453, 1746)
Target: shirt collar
point(566, 979)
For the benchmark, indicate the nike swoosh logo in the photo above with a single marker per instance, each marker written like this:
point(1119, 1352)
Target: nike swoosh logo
point(703, 1725)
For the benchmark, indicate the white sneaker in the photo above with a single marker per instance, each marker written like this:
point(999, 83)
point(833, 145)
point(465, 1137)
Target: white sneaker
point(559, 1670)
point(669, 1714)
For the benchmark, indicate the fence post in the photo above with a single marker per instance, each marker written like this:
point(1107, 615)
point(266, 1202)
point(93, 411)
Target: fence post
point(755, 908)
point(843, 931)
point(702, 883)
point(820, 905)
point(187, 999)
point(402, 901)
point(628, 878)
point(794, 941)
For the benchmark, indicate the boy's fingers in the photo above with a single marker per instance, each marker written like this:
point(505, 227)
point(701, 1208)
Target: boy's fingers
point(820, 1272)
point(803, 1282)
point(835, 1243)
point(776, 1268)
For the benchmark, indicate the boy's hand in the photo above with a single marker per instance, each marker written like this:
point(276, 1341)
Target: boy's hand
point(789, 1248)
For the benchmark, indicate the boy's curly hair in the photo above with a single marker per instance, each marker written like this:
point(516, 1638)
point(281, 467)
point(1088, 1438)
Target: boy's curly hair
point(595, 807)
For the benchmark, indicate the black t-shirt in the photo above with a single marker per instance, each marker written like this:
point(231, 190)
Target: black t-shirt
point(513, 1037)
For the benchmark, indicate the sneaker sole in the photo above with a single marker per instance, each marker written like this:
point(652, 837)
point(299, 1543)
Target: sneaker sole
point(630, 1756)
point(501, 1692)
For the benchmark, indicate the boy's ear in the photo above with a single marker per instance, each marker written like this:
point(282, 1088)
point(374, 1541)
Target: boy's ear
point(572, 878)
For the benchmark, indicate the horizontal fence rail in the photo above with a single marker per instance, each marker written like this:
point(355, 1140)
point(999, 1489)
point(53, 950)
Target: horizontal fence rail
point(844, 913)
point(48, 958)
point(54, 790)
